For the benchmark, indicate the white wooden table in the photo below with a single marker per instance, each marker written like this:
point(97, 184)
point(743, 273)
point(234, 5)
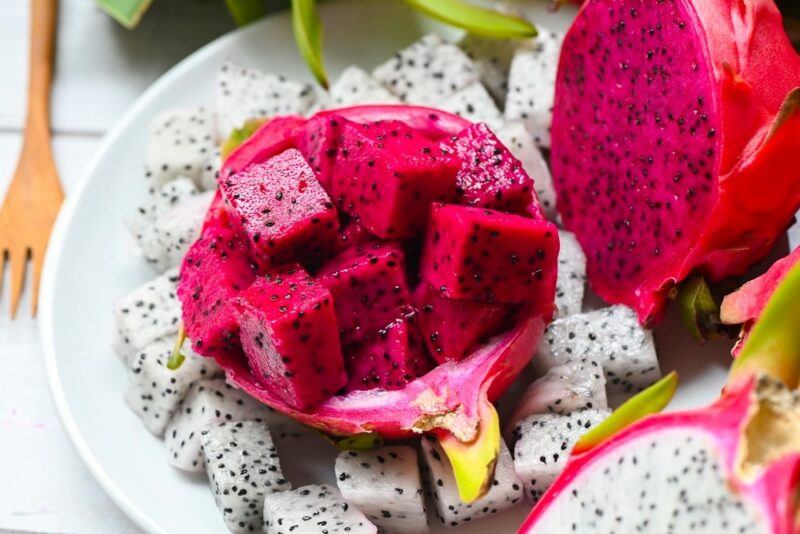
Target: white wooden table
point(101, 68)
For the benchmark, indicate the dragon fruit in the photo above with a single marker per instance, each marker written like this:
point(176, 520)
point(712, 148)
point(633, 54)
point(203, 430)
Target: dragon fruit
point(544, 444)
point(284, 211)
point(490, 176)
point(369, 287)
point(355, 86)
point(492, 59)
point(290, 336)
point(451, 401)
point(385, 485)
point(393, 358)
point(453, 328)
point(505, 489)
point(242, 466)
point(168, 196)
point(427, 72)
point(729, 467)
point(245, 93)
point(146, 314)
point(154, 392)
point(745, 305)
point(564, 389)
point(313, 509)
point(521, 144)
point(486, 255)
point(571, 283)
point(215, 270)
point(612, 337)
point(530, 85)
point(683, 137)
point(413, 170)
point(208, 402)
point(475, 104)
point(182, 143)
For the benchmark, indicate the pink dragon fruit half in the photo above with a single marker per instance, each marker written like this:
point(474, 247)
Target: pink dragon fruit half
point(394, 386)
point(744, 306)
point(675, 140)
point(733, 466)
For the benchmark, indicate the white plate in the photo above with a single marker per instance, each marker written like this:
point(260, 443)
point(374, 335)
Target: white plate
point(89, 265)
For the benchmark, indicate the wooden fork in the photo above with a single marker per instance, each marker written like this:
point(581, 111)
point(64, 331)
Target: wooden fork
point(35, 194)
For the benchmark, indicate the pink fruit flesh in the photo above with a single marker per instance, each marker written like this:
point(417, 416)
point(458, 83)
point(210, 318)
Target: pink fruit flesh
point(662, 145)
point(486, 255)
point(387, 174)
point(215, 269)
point(453, 328)
point(369, 286)
point(490, 176)
point(290, 337)
point(282, 208)
point(395, 357)
point(763, 502)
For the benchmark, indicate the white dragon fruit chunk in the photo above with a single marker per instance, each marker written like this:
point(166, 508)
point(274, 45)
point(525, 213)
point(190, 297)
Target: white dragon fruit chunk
point(384, 484)
point(613, 338)
point(244, 93)
point(154, 392)
point(492, 59)
point(356, 87)
point(313, 510)
point(427, 71)
point(520, 142)
point(474, 103)
point(505, 491)
point(208, 402)
point(567, 388)
point(242, 465)
point(146, 314)
point(168, 237)
point(531, 84)
point(571, 281)
point(168, 195)
point(544, 445)
point(182, 143)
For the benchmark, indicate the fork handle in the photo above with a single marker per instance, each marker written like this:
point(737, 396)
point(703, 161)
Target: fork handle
point(43, 30)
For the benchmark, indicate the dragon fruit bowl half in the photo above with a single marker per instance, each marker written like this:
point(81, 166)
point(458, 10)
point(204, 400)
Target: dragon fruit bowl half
point(374, 269)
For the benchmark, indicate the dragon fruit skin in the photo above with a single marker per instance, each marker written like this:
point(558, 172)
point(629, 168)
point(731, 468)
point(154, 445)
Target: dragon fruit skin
point(463, 245)
point(215, 269)
point(290, 336)
point(452, 328)
point(284, 211)
point(679, 187)
point(704, 449)
point(744, 306)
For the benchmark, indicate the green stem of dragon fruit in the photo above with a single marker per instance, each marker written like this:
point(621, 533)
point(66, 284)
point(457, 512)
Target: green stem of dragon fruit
point(177, 358)
point(699, 309)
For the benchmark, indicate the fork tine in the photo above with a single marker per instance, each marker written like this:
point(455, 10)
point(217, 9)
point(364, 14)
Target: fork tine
point(19, 261)
point(36, 260)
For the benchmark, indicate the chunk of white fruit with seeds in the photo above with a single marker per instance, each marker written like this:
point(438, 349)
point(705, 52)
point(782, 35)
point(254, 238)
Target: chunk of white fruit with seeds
point(544, 445)
point(244, 93)
point(610, 336)
point(474, 104)
point(520, 142)
point(567, 388)
point(504, 492)
point(571, 281)
point(356, 87)
point(243, 467)
point(384, 484)
point(146, 314)
point(427, 71)
point(153, 391)
point(182, 142)
point(531, 84)
point(208, 402)
point(165, 198)
point(492, 59)
point(313, 510)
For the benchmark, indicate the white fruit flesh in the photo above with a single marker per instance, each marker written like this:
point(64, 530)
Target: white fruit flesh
point(356, 87)
point(492, 58)
point(571, 282)
point(474, 103)
point(311, 510)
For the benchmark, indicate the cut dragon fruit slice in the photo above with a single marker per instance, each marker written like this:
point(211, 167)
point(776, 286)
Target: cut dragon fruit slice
point(312, 509)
